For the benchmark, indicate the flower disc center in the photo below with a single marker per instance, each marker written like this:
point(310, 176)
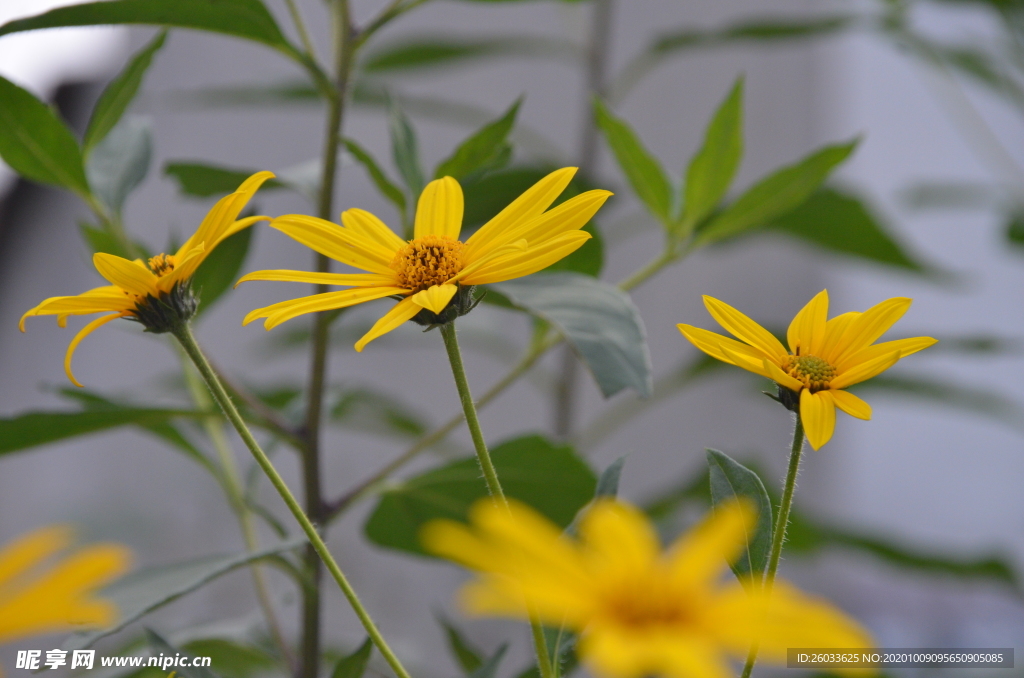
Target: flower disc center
point(815, 372)
point(161, 264)
point(427, 261)
point(646, 606)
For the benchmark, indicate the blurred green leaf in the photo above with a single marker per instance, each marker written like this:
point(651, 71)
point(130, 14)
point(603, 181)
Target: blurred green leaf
point(119, 94)
point(203, 180)
point(384, 184)
point(247, 19)
point(713, 167)
point(1015, 229)
point(599, 321)
point(760, 30)
point(489, 669)
point(467, 656)
point(949, 195)
point(979, 344)
point(119, 163)
point(102, 240)
point(222, 267)
point(364, 409)
point(608, 483)
point(448, 50)
point(643, 171)
point(775, 195)
point(354, 665)
point(842, 223)
point(231, 658)
point(405, 151)
point(36, 143)
point(546, 476)
point(731, 480)
point(160, 647)
point(144, 591)
point(480, 148)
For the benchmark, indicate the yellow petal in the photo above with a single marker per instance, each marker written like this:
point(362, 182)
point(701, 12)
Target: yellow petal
point(283, 311)
point(237, 226)
point(745, 329)
point(403, 311)
point(571, 215)
point(132, 276)
point(184, 269)
point(699, 556)
point(868, 326)
point(23, 553)
point(221, 218)
point(618, 540)
point(851, 404)
point(744, 360)
point(834, 330)
point(435, 298)
point(864, 371)
point(776, 374)
point(904, 346)
point(806, 333)
point(530, 261)
point(531, 203)
point(439, 211)
point(614, 651)
point(98, 300)
point(82, 334)
point(712, 343)
point(331, 240)
point(372, 228)
point(350, 279)
point(818, 414)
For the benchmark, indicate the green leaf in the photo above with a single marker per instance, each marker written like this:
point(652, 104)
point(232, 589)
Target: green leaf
point(231, 658)
point(160, 647)
point(481, 147)
point(643, 171)
point(119, 163)
point(354, 665)
point(546, 476)
point(732, 480)
point(599, 321)
point(761, 30)
point(445, 51)
point(40, 428)
point(247, 19)
point(608, 483)
point(101, 240)
point(405, 151)
point(775, 195)
point(712, 170)
point(202, 180)
point(467, 656)
point(842, 223)
point(381, 180)
point(371, 411)
point(1015, 229)
point(489, 669)
point(119, 94)
point(144, 591)
point(36, 143)
point(221, 268)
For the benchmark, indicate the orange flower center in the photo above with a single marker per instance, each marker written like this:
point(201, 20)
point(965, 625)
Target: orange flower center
point(161, 264)
point(647, 609)
point(427, 261)
point(815, 372)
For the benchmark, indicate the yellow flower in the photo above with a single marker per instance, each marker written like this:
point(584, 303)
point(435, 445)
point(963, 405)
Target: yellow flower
point(824, 357)
point(429, 270)
point(149, 292)
point(39, 597)
point(640, 611)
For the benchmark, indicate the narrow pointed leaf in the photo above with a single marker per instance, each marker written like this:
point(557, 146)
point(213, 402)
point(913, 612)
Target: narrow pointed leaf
point(731, 480)
point(489, 669)
point(445, 51)
point(380, 179)
point(465, 655)
point(480, 148)
point(405, 151)
point(202, 180)
point(354, 665)
point(712, 170)
point(120, 162)
point(608, 483)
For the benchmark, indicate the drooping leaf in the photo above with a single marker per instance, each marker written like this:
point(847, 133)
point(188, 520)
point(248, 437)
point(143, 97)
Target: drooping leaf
point(142, 592)
point(444, 51)
point(354, 665)
point(405, 151)
point(843, 223)
point(160, 647)
point(465, 655)
point(247, 19)
point(221, 268)
point(546, 476)
point(480, 148)
point(598, 320)
point(36, 143)
point(119, 163)
point(713, 167)
point(364, 409)
point(380, 179)
point(775, 195)
point(202, 180)
point(643, 171)
point(119, 94)
point(731, 480)
point(608, 483)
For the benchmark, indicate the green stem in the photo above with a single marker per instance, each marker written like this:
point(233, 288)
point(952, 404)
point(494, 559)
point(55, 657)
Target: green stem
point(183, 333)
point(655, 265)
point(451, 344)
point(781, 524)
point(300, 27)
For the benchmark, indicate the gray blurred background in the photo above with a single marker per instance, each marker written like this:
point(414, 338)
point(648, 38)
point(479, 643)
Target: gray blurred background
point(934, 478)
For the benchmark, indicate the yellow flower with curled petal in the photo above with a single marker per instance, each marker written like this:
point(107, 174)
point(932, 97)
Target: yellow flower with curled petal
point(435, 270)
point(43, 593)
point(157, 292)
point(640, 611)
point(825, 355)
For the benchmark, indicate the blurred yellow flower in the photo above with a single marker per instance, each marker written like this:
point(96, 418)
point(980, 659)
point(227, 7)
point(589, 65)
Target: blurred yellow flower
point(825, 356)
point(148, 292)
point(429, 270)
point(640, 611)
point(43, 594)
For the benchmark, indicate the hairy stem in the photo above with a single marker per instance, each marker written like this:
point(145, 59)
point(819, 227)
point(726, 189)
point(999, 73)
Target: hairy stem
point(183, 333)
